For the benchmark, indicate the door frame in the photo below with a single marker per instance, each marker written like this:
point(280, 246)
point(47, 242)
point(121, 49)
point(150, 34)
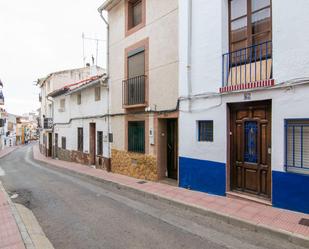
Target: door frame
point(56, 144)
point(175, 135)
point(50, 145)
point(230, 150)
point(92, 143)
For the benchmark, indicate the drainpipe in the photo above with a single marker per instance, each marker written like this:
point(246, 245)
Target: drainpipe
point(189, 53)
point(108, 84)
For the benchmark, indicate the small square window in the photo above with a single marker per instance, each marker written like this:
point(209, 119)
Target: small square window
point(297, 145)
point(79, 98)
point(97, 93)
point(63, 143)
point(100, 143)
point(206, 131)
point(62, 105)
point(135, 13)
point(136, 136)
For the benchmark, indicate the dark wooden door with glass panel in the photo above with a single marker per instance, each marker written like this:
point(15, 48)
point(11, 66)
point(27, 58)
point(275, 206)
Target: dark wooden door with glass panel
point(172, 150)
point(250, 148)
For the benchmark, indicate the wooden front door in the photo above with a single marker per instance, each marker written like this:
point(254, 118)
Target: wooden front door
point(56, 145)
point(50, 144)
point(92, 143)
point(172, 150)
point(251, 148)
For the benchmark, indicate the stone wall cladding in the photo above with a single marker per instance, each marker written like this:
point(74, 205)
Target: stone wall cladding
point(80, 157)
point(43, 149)
point(64, 155)
point(140, 166)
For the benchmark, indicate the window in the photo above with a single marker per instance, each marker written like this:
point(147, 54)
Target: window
point(136, 136)
point(136, 63)
point(250, 23)
point(205, 131)
point(135, 13)
point(62, 105)
point(97, 93)
point(100, 143)
point(80, 139)
point(63, 143)
point(79, 98)
point(297, 144)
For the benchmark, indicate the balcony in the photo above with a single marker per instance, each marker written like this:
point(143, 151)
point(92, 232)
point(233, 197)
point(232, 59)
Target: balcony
point(48, 123)
point(134, 92)
point(247, 68)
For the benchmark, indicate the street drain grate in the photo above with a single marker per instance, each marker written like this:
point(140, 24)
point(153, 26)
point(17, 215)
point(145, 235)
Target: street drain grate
point(304, 222)
point(141, 182)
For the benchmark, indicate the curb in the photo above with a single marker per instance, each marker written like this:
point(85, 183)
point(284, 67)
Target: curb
point(288, 236)
point(21, 226)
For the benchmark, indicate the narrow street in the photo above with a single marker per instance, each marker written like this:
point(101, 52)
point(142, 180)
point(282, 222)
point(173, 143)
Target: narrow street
point(76, 213)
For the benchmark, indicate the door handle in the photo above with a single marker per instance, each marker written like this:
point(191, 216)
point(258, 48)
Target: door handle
point(269, 150)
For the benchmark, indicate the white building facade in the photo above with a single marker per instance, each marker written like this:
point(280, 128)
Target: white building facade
point(80, 124)
point(48, 84)
point(244, 87)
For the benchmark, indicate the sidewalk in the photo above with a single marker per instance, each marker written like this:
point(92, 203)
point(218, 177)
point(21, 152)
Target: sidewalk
point(10, 237)
point(255, 216)
point(7, 151)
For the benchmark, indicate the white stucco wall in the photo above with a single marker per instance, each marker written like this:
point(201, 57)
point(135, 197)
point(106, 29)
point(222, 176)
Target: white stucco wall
point(290, 39)
point(209, 42)
point(286, 103)
point(88, 108)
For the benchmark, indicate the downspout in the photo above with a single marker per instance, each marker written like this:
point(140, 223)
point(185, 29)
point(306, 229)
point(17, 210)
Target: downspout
point(108, 84)
point(189, 53)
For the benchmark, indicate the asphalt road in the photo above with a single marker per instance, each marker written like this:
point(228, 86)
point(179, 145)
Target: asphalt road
point(78, 213)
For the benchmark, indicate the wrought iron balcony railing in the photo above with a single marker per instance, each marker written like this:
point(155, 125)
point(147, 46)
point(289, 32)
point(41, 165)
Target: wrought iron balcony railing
point(134, 91)
point(48, 123)
point(247, 65)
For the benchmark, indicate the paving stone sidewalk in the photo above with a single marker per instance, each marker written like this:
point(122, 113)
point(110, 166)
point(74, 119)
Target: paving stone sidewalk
point(259, 215)
point(7, 151)
point(10, 237)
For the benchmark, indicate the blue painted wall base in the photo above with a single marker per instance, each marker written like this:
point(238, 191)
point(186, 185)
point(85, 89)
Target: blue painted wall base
point(202, 175)
point(290, 191)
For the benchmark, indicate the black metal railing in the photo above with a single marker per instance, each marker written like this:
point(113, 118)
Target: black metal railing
point(134, 91)
point(247, 65)
point(48, 123)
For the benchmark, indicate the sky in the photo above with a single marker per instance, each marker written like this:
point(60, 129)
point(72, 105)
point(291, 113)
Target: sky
point(38, 37)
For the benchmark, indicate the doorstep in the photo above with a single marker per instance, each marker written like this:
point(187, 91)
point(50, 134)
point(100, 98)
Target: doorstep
point(245, 197)
point(169, 181)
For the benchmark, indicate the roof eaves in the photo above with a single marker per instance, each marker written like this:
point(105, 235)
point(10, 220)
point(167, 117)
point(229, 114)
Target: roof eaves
point(87, 85)
point(58, 92)
point(108, 5)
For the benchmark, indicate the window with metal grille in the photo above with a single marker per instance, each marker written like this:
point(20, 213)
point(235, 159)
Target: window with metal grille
point(97, 93)
point(63, 143)
point(205, 130)
point(297, 145)
point(80, 139)
point(100, 143)
point(136, 136)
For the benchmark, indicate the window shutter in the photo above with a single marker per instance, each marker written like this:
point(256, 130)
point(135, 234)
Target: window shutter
point(297, 144)
point(136, 65)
